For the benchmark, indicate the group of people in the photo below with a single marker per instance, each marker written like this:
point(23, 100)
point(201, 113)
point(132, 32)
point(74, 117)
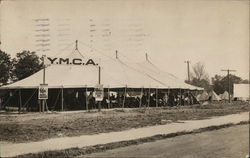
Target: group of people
point(145, 100)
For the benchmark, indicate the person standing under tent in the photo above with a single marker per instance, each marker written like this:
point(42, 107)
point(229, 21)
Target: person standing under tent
point(165, 99)
point(112, 100)
point(144, 99)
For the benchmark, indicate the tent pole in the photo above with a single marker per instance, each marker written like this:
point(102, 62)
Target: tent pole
point(179, 101)
point(141, 97)
point(148, 97)
point(108, 98)
point(43, 100)
point(181, 96)
point(99, 82)
point(62, 100)
point(20, 101)
point(39, 104)
point(184, 96)
point(168, 97)
point(156, 97)
point(86, 98)
point(189, 100)
point(124, 97)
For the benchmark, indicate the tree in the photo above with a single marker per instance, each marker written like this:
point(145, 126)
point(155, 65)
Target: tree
point(5, 67)
point(220, 83)
point(26, 63)
point(199, 77)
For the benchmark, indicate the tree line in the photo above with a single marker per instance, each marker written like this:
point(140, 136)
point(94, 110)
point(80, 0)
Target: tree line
point(218, 83)
point(21, 66)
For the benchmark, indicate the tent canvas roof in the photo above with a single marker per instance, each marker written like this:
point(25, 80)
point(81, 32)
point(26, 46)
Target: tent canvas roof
point(224, 96)
point(150, 69)
point(214, 96)
point(114, 74)
point(203, 96)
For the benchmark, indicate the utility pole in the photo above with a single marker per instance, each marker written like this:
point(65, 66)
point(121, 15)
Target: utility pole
point(228, 78)
point(188, 70)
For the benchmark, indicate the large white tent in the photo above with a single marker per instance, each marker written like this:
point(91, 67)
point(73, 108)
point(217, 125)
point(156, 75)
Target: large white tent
point(79, 79)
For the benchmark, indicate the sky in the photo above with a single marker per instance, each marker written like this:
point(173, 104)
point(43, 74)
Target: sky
point(213, 32)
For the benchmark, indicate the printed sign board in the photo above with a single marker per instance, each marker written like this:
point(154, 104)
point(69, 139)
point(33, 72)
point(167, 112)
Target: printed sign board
point(43, 91)
point(99, 92)
point(69, 61)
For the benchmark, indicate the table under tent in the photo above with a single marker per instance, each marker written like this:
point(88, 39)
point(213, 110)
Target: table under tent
point(71, 87)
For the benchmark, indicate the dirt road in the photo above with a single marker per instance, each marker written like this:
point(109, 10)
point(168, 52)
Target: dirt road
point(230, 142)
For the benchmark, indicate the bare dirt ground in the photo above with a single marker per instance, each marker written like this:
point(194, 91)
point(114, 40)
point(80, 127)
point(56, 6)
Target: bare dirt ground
point(34, 126)
point(229, 142)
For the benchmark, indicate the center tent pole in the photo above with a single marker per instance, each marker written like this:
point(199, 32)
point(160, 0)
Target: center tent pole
point(124, 97)
point(86, 98)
